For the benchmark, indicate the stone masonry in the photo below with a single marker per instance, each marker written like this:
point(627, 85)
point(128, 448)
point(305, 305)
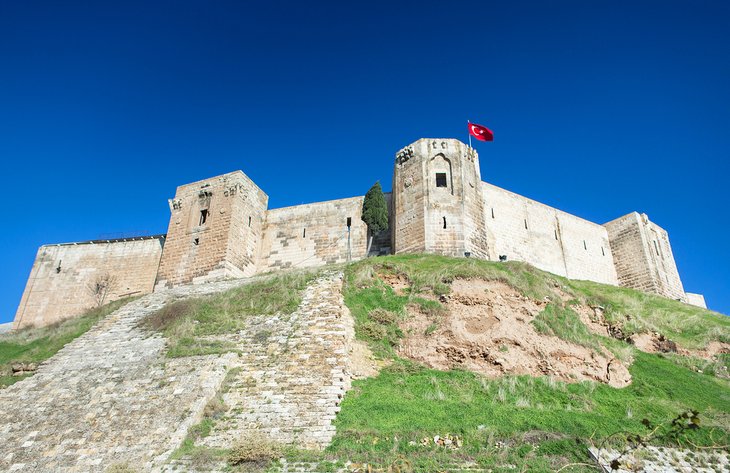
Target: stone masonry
point(292, 373)
point(62, 278)
point(221, 227)
point(112, 397)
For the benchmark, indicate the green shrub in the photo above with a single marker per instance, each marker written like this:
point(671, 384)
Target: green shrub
point(254, 450)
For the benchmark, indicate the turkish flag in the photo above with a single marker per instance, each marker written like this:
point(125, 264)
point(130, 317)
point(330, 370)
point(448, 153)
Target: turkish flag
point(482, 133)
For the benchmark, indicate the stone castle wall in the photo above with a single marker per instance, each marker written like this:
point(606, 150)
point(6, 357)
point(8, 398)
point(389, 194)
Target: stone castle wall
point(59, 284)
point(526, 230)
point(220, 227)
point(644, 258)
point(314, 234)
point(215, 230)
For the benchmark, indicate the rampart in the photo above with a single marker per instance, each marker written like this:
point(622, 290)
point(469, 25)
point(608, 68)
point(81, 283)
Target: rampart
point(63, 278)
point(644, 258)
point(316, 234)
point(221, 228)
point(550, 239)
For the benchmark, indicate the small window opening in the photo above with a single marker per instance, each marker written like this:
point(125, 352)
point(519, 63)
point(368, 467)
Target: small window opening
point(656, 248)
point(585, 247)
point(196, 241)
point(249, 221)
point(349, 222)
point(58, 268)
point(556, 234)
point(203, 216)
point(304, 233)
point(444, 222)
point(441, 179)
point(525, 224)
point(603, 252)
point(492, 212)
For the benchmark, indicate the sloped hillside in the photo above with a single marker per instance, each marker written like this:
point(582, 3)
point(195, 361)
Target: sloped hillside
point(399, 363)
point(515, 369)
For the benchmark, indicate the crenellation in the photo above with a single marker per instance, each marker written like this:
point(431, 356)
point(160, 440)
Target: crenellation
point(221, 227)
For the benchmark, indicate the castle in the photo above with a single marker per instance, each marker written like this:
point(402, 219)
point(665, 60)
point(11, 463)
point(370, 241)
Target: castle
point(222, 228)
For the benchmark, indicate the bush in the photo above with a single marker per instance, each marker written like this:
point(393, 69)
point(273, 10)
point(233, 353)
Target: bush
point(373, 331)
point(171, 313)
point(383, 317)
point(255, 450)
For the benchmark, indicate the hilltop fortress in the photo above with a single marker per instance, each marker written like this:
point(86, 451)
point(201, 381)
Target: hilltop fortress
point(222, 228)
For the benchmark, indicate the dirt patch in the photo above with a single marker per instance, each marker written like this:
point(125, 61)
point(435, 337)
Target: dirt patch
point(398, 282)
point(652, 342)
point(592, 317)
point(486, 328)
point(362, 363)
point(644, 342)
point(713, 349)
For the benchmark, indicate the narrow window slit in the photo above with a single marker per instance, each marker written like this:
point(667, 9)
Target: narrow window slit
point(656, 248)
point(249, 221)
point(444, 222)
point(585, 247)
point(603, 252)
point(492, 212)
point(304, 233)
point(556, 234)
point(203, 217)
point(525, 224)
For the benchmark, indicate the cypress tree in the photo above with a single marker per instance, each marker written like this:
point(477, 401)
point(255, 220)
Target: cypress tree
point(375, 212)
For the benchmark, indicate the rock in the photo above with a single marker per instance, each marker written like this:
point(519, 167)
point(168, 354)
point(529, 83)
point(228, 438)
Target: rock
point(665, 345)
point(20, 368)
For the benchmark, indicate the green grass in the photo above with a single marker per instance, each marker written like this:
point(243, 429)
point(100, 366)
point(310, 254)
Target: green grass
point(689, 326)
point(535, 424)
point(422, 403)
point(186, 323)
point(34, 345)
point(563, 322)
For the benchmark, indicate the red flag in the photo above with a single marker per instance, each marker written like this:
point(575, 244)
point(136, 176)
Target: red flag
point(482, 133)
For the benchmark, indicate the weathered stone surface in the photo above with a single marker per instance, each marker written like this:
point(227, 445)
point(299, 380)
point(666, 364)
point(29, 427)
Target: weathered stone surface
point(290, 381)
point(111, 397)
point(60, 280)
point(644, 258)
point(214, 231)
point(221, 227)
point(525, 230)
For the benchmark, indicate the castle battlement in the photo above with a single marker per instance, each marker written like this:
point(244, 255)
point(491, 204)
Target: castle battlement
point(221, 227)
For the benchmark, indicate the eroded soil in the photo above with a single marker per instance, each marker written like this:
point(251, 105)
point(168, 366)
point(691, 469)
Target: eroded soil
point(486, 329)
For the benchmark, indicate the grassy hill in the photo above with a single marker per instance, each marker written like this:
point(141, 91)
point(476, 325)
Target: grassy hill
point(506, 423)
point(521, 422)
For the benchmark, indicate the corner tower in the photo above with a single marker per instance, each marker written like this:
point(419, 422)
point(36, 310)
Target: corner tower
point(438, 205)
point(644, 258)
point(215, 230)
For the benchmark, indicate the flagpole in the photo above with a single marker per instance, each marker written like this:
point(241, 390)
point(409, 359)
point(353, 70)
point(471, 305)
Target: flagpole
point(467, 127)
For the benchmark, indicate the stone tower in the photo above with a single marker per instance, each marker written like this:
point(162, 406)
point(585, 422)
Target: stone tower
point(643, 256)
point(215, 230)
point(438, 205)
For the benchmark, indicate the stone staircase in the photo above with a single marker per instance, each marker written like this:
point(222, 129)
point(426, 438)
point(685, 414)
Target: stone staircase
point(111, 397)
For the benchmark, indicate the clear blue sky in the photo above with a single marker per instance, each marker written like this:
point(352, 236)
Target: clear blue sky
point(598, 108)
